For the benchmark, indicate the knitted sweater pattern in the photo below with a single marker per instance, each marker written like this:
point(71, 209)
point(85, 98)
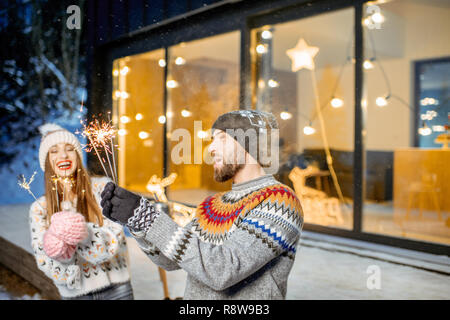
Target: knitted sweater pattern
point(240, 244)
point(98, 262)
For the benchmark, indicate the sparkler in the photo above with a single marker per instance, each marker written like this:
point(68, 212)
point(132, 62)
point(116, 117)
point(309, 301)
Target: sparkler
point(112, 148)
point(55, 181)
point(23, 183)
point(99, 135)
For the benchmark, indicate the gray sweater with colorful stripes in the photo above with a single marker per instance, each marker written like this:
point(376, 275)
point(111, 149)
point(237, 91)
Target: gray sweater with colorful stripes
point(240, 244)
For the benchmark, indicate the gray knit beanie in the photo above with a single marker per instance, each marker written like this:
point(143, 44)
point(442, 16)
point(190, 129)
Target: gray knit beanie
point(263, 123)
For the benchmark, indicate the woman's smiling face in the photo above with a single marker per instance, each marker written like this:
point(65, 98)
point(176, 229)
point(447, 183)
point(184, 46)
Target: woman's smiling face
point(63, 159)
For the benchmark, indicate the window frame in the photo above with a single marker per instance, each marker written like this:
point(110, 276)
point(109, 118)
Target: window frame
point(101, 63)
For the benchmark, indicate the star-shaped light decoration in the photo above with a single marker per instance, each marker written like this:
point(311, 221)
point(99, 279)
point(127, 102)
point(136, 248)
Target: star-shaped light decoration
point(302, 56)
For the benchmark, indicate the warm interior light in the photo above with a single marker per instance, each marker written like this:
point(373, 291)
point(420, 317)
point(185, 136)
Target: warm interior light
point(266, 34)
point(261, 84)
point(139, 116)
point(125, 119)
point(381, 101)
point(122, 132)
point(260, 48)
point(337, 103)
point(162, 63)
point(143, 135)
point(186, 113)
point(172, 84)
point(308, 130)
point(162, 119)
point(180, 61)
point(285, 115)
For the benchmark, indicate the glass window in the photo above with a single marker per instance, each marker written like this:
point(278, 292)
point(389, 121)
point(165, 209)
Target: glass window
point(138, 100)
point(202, 83)
point(407, 172)
point(303, 73)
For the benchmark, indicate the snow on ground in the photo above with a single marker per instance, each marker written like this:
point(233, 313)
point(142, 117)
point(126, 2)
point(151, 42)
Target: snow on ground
point(317, 273)
point(4, 295)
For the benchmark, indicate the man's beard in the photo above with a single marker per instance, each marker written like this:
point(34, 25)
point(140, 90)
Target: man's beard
point(227, 172)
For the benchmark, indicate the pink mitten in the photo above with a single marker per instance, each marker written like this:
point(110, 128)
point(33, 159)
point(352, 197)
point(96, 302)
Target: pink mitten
point(55, 248)
point(70, 250)
point(68, 226)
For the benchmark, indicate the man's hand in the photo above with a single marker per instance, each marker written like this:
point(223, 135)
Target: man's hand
point(118, 204)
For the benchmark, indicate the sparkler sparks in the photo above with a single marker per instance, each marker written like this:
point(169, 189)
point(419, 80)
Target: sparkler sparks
point(26, 185)
point(100, 134)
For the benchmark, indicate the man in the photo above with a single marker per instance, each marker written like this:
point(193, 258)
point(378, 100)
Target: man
point(240, 244)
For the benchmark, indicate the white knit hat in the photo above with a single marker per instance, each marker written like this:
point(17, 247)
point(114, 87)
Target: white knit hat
point(53, 134)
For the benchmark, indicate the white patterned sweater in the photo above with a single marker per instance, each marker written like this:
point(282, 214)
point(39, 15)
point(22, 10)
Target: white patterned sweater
point(99, 261)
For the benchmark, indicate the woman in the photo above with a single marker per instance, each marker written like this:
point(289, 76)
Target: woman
point(85, 255)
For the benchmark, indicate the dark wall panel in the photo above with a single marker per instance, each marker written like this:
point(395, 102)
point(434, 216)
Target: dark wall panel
point(136, 14)
point(102, 22)
point(154, 11)
point(175, 8)
point(119, 18)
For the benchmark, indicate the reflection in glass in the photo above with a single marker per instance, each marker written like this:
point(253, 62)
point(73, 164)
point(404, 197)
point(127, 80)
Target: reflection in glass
point(138, 100)
point(203, 83)
point(303, 74)
point(407, 172)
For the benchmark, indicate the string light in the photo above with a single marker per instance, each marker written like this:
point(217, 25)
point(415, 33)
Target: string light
point(124, 70)
point(186, 113)
point(121, 94)
point(143, 135)
point(172, 84)
point(122, 132)
point(309, 130)
point(273, 84)
point(285, 115)
point(139, 116)
point(180, 61)
point(169, 114)
point(337, 103)
point(125, 119)
point(202, 134)
point(381, 101)
point(162, 119)
point(260, 48)
point(368, 64)
point(266, 34)
point(115, 72)
point(162, 63)
point(377, 17)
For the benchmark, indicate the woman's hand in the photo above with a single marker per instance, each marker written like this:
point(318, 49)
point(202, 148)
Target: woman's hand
point(69, 227)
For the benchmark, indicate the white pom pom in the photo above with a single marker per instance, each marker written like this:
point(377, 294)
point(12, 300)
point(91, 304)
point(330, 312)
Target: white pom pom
point(49, 127)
